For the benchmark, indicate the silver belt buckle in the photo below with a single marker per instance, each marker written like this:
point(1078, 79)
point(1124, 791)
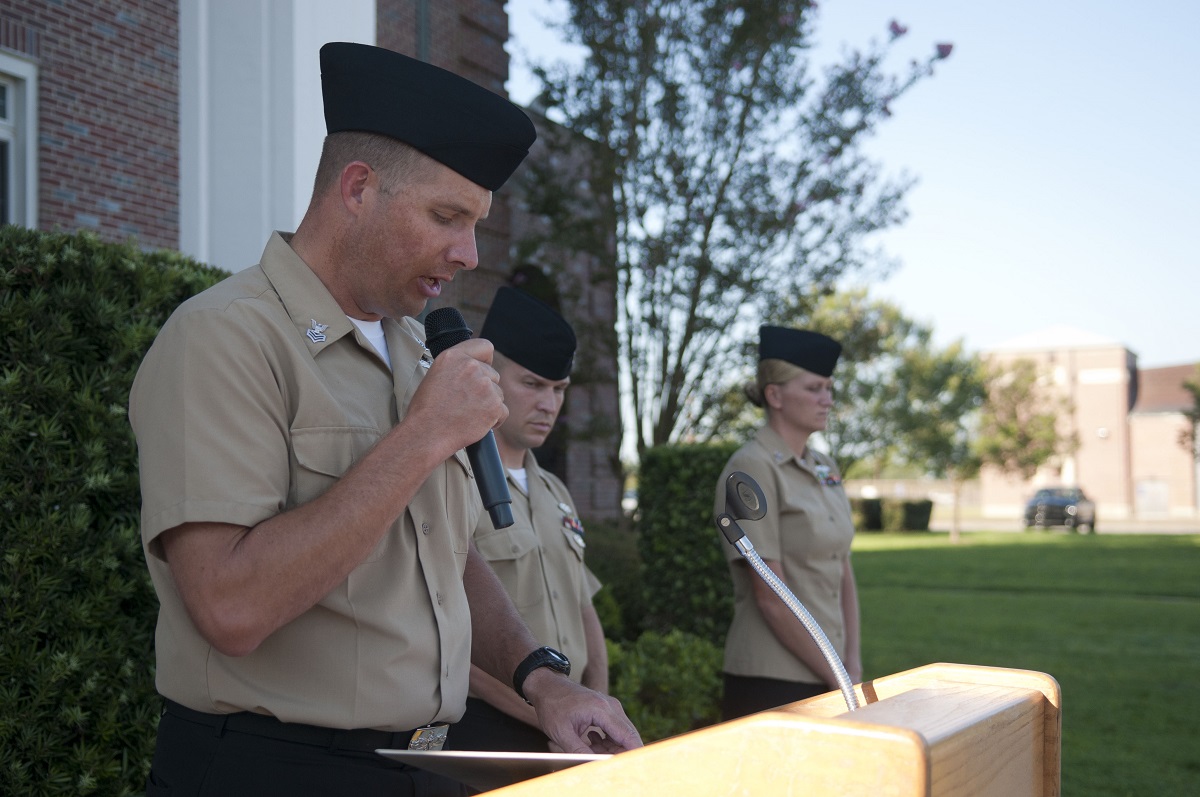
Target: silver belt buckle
point(429, 737)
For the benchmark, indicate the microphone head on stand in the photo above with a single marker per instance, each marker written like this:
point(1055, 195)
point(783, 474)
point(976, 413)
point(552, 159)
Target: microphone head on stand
point(744, 500)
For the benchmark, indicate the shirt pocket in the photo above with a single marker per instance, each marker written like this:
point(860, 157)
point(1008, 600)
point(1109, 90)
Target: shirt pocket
point(514, 556)
point(321, 456)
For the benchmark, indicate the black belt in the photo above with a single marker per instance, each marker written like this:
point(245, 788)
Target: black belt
point(427, 737)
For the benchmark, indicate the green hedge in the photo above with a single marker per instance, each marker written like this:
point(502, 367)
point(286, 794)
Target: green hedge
point(668, 683)
point(890, 514)
point(612, 554)
point(685, 578)
point(907, 515)
point(867, 514)
point(78, 711)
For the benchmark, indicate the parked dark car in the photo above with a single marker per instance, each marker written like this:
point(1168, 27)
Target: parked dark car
point(1061, 506)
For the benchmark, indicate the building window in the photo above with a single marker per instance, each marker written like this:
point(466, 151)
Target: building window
point(18, 141)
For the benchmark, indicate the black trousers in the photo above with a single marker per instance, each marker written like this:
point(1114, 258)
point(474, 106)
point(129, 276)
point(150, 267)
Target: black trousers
point(197, 757)
point(485, 727)
point(746, 695)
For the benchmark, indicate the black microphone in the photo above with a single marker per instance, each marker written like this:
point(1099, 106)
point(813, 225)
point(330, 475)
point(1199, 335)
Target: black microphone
point(444, 327)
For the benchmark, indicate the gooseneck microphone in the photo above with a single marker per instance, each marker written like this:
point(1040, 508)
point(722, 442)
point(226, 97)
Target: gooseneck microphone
point(444, 327)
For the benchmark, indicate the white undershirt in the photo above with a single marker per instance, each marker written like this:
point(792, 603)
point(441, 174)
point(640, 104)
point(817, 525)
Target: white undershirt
point(521, 477)
point(373, 331)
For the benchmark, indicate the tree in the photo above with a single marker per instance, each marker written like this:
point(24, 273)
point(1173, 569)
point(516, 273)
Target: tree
point(935, 399)
point(888, 369)
point(738, 178)
point(1019, 430)
point(876, 338)
point(1189, 438)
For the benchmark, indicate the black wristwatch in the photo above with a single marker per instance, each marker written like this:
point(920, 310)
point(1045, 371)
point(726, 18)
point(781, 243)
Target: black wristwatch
point(542, 657)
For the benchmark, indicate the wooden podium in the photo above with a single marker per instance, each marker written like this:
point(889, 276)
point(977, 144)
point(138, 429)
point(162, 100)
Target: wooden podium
point(950, 730)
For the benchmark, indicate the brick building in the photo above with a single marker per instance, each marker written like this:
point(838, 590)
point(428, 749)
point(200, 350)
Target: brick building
point(197, 126)
point(1127, 422)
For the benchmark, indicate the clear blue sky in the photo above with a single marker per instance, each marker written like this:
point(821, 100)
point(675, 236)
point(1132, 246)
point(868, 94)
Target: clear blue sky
point(1057, 159)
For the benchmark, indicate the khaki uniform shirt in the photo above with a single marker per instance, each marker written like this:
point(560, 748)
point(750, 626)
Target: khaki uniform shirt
point(539, 559)
point(257, 395)
point(808, 529)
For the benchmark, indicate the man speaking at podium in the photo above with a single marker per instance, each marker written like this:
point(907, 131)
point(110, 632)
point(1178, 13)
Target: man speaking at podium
point(306, 503)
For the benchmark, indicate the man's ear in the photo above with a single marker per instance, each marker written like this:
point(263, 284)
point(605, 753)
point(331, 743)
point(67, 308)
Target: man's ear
point(355, 179)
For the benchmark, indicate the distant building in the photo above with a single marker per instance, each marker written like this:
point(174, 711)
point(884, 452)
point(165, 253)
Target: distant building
point(1166, 481)
point(1127, 422)
point(197, 126)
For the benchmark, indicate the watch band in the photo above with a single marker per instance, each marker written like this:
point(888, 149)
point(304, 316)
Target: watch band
point(542, 657)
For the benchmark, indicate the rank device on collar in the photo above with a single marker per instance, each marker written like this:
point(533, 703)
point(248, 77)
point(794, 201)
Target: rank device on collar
point(316, 333)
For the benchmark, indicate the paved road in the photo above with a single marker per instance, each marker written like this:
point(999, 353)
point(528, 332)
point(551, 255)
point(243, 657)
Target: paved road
point(1169, 526)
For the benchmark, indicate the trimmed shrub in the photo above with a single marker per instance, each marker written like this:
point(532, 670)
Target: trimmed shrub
point(867, 514)
point(78, 710)
point(668, 683)
point(907, 515)
point(612, 554)
point(685, 578)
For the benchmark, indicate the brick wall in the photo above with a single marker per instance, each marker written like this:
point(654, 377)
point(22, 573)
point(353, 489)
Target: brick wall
point(108, 105)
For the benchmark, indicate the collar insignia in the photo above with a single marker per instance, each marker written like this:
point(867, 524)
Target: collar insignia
point(317, 332)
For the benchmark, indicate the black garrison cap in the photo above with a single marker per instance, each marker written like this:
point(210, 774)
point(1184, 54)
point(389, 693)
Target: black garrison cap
point(809, 350)
point(475, 132)
point(528, 332)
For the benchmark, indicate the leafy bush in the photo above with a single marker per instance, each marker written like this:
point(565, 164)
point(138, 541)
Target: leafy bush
point(685, 578)
point(668, 683)
point(78, 711)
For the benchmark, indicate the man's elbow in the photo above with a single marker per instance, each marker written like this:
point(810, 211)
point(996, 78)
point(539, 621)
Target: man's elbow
point(230, 632)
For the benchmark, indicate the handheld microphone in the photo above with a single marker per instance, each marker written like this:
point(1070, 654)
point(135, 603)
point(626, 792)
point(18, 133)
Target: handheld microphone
point(444, 327)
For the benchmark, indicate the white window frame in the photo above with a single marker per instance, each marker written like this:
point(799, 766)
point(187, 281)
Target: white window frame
point(20, 130)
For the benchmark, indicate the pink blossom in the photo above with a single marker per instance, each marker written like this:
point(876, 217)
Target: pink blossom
point(944, 50)
point(896, 29)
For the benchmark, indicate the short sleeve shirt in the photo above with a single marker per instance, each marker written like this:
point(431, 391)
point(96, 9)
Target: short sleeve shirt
point(256, 396)
point(808, 530)
point(539, 560)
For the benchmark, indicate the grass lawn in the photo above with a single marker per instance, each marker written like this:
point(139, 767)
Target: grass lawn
point(1114, 618)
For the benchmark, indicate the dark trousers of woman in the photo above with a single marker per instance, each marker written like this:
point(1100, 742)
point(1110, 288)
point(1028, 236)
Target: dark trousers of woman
point(745, 695)
point(199, 755)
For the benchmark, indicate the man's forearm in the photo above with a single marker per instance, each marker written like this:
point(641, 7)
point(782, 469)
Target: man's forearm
point(500, 639)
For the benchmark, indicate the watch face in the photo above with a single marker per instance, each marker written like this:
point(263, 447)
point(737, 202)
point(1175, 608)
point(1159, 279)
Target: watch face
point(542, 657)
point(556, 659)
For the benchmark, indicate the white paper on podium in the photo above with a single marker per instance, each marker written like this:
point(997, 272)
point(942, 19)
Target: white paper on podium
point(487, 769)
